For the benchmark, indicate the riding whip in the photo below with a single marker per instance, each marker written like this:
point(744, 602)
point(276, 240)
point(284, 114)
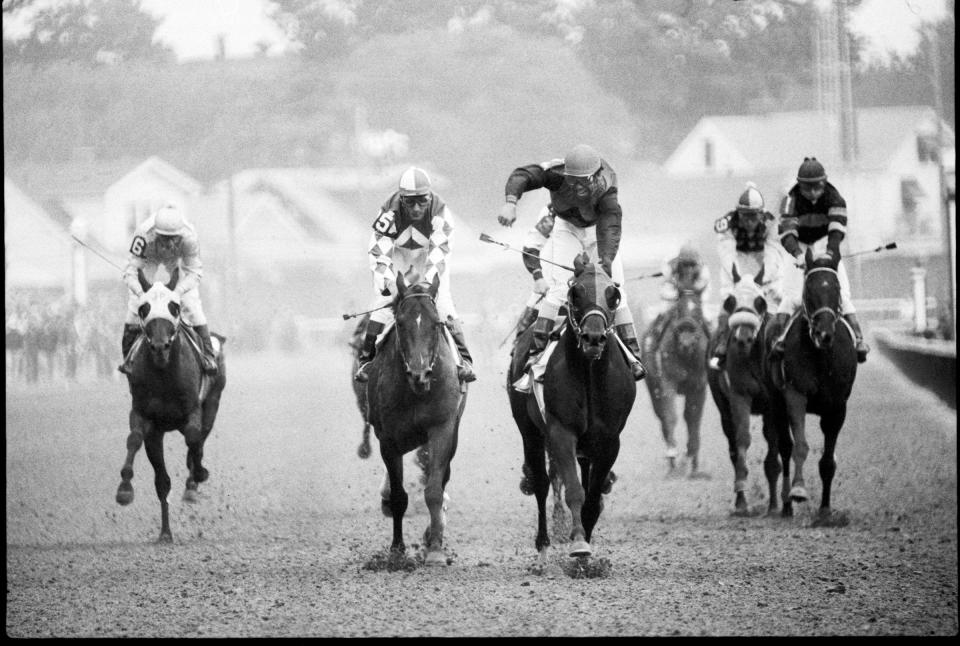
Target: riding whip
point(890, 245)
point(96, 252)
point(485, 238)
point(657, 274)
point(347, 317)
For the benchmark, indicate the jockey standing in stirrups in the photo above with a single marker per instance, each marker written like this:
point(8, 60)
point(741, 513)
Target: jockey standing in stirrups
point(414, 228)
point(813, 215)
point(166, 238)
point(746, 236)
point(683, 272)
point(583, 197)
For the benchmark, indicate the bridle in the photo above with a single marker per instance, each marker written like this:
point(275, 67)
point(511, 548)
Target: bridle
point(833, 311)
point(438, 325)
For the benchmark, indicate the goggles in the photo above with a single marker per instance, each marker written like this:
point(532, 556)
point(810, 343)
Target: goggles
point(415, 200)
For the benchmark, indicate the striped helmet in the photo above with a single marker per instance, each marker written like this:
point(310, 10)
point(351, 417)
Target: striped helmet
point(751, 200)
point(811, 171)
point(414, 181)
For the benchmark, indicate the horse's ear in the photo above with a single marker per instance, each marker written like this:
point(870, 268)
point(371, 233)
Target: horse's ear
point(729, 303)
point(174, 309)
point(174, 278)
point(144, 283)
point(735, 273)
point(579, 263)
point(758, 279)
point(434, 285)
point(143, 310)
point(401, 285)
point(808, 257)
point(760, 304)
point(612, 295)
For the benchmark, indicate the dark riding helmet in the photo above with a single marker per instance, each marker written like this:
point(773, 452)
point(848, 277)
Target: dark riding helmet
point(811, 171)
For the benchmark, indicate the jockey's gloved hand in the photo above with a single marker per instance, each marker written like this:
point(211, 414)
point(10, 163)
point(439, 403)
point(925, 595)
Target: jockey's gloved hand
point(508, 214)
point(540, 286)
point(800, 261)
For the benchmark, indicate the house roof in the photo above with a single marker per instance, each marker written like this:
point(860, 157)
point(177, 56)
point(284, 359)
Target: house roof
point(69, 179)
point(782, 139)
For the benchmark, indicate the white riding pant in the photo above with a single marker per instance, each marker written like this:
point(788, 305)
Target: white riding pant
point(748, 264)
point(191, 311)
point(793, 282)
point(568, 241)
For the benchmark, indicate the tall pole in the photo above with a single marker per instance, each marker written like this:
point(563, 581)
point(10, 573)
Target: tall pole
point(943, 201)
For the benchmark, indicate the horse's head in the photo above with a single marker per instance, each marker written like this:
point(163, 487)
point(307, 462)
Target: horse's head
point(419, 330)
point(688, 334)
point(592, 299)
point(746, 306)
point(159, 313)
point(821, 298)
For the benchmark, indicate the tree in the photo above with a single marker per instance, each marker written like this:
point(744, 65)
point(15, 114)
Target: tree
point(91, 31)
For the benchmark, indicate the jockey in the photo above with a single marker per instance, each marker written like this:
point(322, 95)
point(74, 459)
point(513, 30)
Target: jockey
point(813, 215)
point(166, 238)
point(413, 228)
point(583, 199)
point(746, 236)
point(683, 272)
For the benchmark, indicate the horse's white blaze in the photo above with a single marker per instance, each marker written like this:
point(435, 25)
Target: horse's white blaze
point(418, 319)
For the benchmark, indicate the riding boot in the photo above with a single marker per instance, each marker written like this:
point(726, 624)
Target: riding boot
point(208, 358)
point(465, 371)
point(862, 347)
point(778, 327)
point(529, 316)
point(368, 350)
point(720, 352)
point(629, 337)
point(130, 334)
point(541, 335)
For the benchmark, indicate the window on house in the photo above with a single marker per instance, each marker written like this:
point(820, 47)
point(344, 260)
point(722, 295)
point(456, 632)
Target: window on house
point(708, 153)
point(927, 148)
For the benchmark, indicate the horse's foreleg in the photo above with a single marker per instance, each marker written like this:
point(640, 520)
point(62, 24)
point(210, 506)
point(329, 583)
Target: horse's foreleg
point(771, 464)
point(593, 502)
point(692, 415)
point(393, 460)
point(563, 451)
point(740, 419)
point(831, 425)
point(437, 473)
point(194, 436)
point(154, 446)
point(666, 410)
point(138, 427)
point(797, 412)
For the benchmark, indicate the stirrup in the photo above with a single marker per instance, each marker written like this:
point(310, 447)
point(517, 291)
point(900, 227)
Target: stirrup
point(465, 372)
point(862, 350)
point(361, 374)
point(210, 366)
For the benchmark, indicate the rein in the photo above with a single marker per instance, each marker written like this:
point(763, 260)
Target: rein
point(593, 311)
point(433, 359)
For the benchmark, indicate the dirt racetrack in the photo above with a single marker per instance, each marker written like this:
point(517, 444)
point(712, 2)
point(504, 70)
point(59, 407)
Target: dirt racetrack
point(278, 544)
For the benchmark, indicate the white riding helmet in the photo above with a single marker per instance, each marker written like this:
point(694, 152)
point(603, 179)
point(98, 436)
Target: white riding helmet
point(581, 161)
point(169, 221)
point(414, 181)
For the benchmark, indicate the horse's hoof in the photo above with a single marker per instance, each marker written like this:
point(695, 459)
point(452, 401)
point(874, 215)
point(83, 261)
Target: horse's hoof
point(608, 483)
point(165, 537)
point(363, 451)
point(190, 495)
point(435, 558)
point(525, 488)
point(579, 549)
point(829, 518)
point(125, 493)
point(699, 475)
point(799, 494)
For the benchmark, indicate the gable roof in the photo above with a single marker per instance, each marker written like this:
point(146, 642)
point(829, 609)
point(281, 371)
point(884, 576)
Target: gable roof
point(166, 172)
point(44, 181)
point(782, 139)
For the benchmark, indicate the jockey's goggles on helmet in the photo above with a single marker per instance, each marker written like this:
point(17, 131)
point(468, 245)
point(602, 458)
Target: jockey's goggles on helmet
point(415, 200)
point(575, 181)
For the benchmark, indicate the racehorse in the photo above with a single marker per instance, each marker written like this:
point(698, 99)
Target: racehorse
point(816, 376)
point(677, 367)
point(359, 388)
point(170, 392)
point(739, 388)
point(414, 398)
point(588, 392)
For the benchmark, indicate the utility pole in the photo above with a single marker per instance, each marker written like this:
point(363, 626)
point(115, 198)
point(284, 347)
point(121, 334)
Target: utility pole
point(947, 224)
